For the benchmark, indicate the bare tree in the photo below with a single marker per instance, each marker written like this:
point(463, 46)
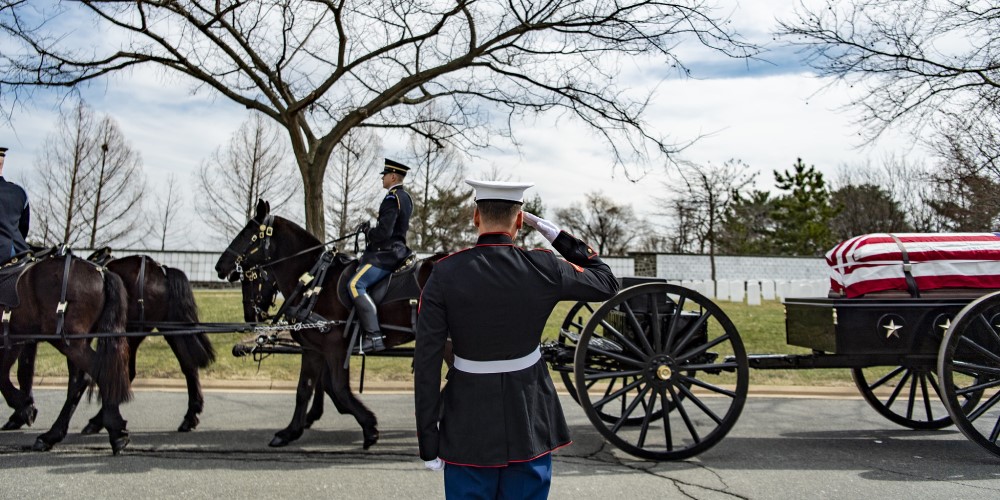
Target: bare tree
point(599, 220)
point(90, 183)
point(320, 69)
point(168, 201)
point(439, 191)
point(117, 190)
point(707, 192)
point(909, 59)
point(252, 166)
point(352, 180)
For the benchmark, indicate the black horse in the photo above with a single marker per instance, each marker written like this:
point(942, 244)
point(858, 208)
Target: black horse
point(287, 251)
point(60, 299)
point(161, 297)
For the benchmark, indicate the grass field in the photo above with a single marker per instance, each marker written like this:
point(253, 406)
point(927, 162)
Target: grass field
point(761, 328)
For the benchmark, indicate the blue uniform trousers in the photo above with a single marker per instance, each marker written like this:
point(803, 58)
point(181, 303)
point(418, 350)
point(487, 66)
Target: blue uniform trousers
point(366, 276)
point(519, 480)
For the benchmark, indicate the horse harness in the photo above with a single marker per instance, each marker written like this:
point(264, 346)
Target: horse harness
point(297, 311)
point(10, 274)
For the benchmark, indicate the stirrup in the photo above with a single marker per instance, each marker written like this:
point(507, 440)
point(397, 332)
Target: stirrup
point(371, 342)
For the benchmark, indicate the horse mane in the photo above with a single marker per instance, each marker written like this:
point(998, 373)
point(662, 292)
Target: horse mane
point(298, 231)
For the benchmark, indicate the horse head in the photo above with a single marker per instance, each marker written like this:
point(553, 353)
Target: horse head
point(251, 246)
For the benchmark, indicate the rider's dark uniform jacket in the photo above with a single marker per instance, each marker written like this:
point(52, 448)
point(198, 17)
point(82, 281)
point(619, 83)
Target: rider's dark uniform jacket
point(386, 242)
point(493, 301)
point(14, 219)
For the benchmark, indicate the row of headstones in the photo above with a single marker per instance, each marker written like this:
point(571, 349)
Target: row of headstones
point(754, 291)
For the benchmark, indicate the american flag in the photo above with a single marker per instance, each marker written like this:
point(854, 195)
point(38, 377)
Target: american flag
point(874, 262)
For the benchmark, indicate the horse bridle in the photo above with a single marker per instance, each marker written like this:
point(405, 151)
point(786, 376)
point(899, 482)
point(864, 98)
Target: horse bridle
point(263, 235)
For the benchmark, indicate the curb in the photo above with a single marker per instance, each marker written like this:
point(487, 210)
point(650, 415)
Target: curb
point(390, 387)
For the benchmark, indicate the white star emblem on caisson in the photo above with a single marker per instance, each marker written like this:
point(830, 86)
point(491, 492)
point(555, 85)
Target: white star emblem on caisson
point(892, 329)
point(946, 325)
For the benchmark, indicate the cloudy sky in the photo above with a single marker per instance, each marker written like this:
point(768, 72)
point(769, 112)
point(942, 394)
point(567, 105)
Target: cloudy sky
point(765, 113)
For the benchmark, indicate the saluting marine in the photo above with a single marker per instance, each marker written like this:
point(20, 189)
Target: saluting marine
point(15, 216)
point(385, 250)
point(498, 418)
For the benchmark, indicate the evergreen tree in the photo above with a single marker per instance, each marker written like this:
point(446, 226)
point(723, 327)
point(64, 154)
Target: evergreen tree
point(748, 226)
point(803, 215)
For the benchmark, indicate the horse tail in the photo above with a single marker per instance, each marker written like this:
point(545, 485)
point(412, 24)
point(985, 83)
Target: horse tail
point(111, 361)
point(182, 308)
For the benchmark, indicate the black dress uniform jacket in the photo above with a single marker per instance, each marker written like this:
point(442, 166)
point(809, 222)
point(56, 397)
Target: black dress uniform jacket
point(14, 219)
point(386, 242)
point(493, 301)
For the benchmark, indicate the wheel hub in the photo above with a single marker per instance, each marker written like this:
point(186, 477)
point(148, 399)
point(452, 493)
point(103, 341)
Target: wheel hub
point(660, 370)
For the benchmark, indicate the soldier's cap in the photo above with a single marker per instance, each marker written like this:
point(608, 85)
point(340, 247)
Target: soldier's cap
point(3, 152)
point(394, 167)
point(499, 190)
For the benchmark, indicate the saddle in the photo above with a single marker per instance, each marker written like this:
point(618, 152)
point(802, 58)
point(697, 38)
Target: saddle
point(402, 284)
point(11, 271)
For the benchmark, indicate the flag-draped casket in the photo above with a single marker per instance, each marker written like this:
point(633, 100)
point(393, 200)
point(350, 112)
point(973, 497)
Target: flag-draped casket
point(914, 262)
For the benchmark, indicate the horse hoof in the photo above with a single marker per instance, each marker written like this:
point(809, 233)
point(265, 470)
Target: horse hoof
point(21, 418)
point(278, 442)
point(41, 445)
point(188, 425)
point(91, 428)
point(119, 444)
point(370, 440)
point(12, 425)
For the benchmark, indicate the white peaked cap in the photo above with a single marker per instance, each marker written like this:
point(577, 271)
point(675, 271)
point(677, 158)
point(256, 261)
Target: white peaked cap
point(499, 190)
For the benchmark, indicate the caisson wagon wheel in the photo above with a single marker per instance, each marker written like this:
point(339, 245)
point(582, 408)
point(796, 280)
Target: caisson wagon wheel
point(910, 394)
point(569, 335)
point(907, 395)
point(969, 363)
point(661, 371)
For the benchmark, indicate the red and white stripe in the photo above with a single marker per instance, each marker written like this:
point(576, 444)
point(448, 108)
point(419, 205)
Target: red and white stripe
point(874, 262)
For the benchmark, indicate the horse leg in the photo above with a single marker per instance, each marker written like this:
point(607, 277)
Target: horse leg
point(327, 382)
point(196, 402)
point(316, 410)
point(309, 372)
point(96, 423)
point(344, 399)
point(78, 382)
point(115, 424)
point(19, 398)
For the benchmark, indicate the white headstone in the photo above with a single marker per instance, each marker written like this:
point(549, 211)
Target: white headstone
point(767, 289)
point(781, 289)
point(753, 293)
point(708, 288)
point(736, 290)
point(721, 290)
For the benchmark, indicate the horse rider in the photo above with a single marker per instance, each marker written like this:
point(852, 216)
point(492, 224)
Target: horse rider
point(385, 250)
point(494, 425)
point(15, 216)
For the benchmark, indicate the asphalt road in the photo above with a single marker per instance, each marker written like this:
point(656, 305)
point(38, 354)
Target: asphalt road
point(779, 448)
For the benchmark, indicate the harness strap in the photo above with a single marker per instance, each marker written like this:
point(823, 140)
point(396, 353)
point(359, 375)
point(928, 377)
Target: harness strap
point(141, 283)
point(311, 296)
point(911, 283)
point(61, 308)
point(6, 328)
point(498, 366)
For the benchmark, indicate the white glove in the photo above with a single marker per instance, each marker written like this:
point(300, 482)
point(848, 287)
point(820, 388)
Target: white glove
point(548, 230)
point(435, 464)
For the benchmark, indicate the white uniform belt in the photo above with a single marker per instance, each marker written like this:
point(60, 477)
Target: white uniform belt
point(498, 366)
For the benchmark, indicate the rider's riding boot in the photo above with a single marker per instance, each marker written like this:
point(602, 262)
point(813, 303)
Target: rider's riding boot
point(372, 336)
